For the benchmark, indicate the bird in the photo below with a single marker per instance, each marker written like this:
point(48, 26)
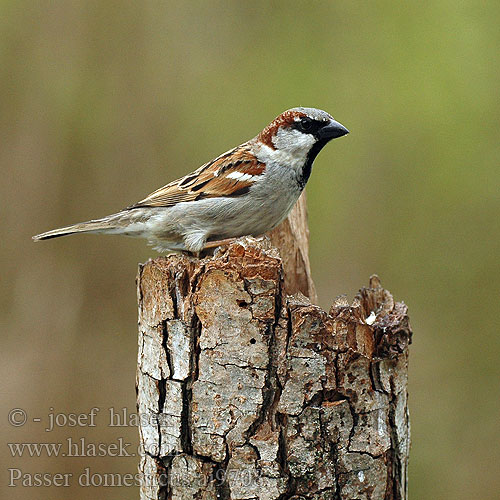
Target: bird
point(246, 191)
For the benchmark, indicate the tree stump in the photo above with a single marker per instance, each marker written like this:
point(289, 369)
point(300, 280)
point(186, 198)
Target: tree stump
point(245, 392)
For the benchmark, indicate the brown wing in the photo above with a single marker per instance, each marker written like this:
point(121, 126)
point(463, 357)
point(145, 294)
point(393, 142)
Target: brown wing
point(230, 174)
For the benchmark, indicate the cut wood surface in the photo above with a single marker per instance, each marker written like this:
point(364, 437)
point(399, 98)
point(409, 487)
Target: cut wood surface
point(246, 392)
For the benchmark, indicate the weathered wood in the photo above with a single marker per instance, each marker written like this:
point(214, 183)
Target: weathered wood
point(247, 393)
point(291, 238)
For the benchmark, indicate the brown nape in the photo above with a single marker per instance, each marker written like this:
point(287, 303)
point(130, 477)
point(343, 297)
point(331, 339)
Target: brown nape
point(285, 119)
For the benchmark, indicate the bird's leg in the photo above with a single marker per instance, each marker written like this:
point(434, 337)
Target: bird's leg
point(213, 244)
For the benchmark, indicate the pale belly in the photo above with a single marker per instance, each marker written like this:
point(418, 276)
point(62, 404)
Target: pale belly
point(191, 224)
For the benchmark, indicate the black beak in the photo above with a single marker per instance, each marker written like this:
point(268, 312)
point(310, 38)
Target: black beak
point(332, 130)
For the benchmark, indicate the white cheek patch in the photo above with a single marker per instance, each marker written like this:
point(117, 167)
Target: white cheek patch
point(240, 176)
point(293, 140)
point(291, 148)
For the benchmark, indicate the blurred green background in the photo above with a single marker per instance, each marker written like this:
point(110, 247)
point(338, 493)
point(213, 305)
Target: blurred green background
point(102, 102)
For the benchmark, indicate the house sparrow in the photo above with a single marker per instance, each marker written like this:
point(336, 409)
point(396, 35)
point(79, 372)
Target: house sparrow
point(248, 190)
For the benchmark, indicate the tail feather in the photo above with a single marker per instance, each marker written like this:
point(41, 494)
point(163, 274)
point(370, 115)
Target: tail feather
point(91, 226)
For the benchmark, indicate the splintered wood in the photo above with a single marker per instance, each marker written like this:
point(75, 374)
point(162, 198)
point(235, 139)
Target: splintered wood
point(245, 392)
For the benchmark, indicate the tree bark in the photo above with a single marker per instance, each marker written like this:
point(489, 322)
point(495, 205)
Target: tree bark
point(245, 392)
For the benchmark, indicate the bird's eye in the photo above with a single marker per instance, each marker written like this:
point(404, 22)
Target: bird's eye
point(305, 124)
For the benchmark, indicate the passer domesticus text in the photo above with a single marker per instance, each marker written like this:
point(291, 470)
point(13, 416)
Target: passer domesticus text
point(248, 190)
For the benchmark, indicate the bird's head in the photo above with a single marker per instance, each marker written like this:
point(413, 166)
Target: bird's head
point(301, 128)
point(299, 134)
